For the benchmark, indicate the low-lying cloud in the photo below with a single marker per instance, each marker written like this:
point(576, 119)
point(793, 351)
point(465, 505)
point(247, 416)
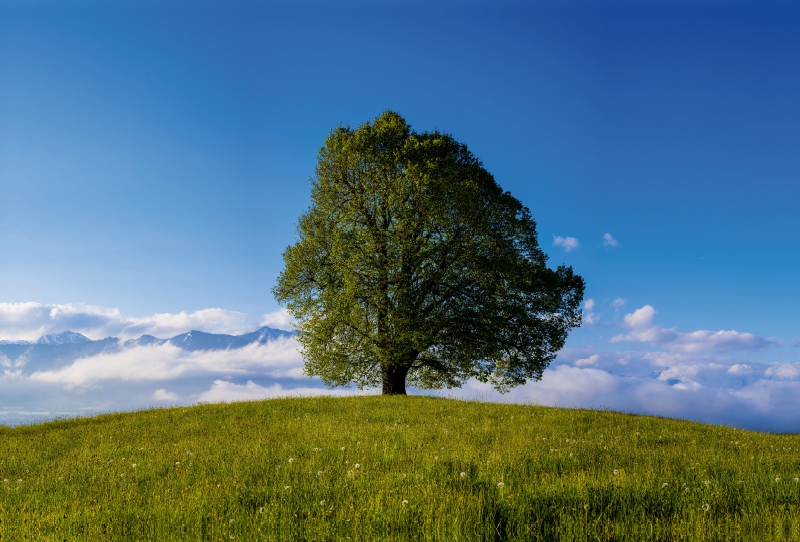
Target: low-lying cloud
point(699, 392)
point(642, 330)
point(223, 391)
point(277, 359)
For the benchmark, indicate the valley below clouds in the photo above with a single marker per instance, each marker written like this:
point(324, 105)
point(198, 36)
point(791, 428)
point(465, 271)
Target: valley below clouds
point(124, 363)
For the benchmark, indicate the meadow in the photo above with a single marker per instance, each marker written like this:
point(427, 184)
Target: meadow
point(394, 468)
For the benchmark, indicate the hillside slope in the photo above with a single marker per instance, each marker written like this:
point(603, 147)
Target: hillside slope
point(397, 468)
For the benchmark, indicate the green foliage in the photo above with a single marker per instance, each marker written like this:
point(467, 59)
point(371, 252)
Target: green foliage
point(413, 264)
point(377, 468)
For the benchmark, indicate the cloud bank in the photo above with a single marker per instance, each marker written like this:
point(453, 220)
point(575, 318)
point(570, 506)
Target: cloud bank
point(641, 329)
point(276, 359)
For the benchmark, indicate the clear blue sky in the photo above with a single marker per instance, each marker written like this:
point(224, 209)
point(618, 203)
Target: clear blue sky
point(154, 157)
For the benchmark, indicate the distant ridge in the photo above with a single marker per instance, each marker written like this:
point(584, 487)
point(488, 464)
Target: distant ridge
point(65, 337)
point(200, 340)
point(58, 349)
point(193, 340)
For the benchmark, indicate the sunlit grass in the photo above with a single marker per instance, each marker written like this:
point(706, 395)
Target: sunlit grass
point(394, 468)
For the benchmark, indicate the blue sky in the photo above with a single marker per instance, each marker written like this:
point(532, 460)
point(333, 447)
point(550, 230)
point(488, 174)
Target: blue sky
point(154, 158)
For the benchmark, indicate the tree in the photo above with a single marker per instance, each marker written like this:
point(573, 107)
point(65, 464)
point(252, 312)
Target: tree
point(413, 265)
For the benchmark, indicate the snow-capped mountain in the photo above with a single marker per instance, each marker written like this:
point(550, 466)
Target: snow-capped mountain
point(58, 349)
point(197, 340)
point(65, 337)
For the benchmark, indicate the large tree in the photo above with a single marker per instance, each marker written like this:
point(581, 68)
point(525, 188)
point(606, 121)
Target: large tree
point(414, 266)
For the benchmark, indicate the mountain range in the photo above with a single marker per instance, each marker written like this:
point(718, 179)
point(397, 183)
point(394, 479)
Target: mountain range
point(54, 350)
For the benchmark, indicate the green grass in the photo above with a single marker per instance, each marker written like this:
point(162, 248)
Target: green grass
point(394, 468)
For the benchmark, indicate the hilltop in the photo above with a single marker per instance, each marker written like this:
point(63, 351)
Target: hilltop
point(393, 468)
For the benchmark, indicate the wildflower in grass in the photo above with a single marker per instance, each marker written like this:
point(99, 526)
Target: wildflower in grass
point(707, 483)
point(665, 484)
point(134, 465)
point(405, 502)
point(358, 466)
point(463, 474)
point(616, 472)
point(319, 473)
point(342, 448)
point(291, 460)
point(706, 507)
point(287, 488)
point(797, 479)
point(500, 484)
point(322, 503)
point(777, 480)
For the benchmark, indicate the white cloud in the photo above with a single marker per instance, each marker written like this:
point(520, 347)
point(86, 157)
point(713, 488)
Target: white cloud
point(278, 359)
point(280, 319)
point(588, 316)
point(784, 371)
point(640, 317)
point(222, 391)
point(618, 302)
point(29, 321)
point(567, 243)
point(609, 241)
point(721, 341)
point(163, 395)
point(591, 360)
point(740, 369)
point(640, 323)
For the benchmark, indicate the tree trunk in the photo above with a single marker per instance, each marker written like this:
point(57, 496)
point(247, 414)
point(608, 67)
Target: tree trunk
point(394, 380)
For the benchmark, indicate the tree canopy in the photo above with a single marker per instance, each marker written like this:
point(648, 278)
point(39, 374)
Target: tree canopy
point(413, 265)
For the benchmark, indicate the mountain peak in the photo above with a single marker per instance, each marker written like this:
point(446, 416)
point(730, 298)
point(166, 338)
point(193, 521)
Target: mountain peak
point(65, 337)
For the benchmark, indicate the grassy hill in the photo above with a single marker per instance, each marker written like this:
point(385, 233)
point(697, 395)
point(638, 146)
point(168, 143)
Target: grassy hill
point(394, 468)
